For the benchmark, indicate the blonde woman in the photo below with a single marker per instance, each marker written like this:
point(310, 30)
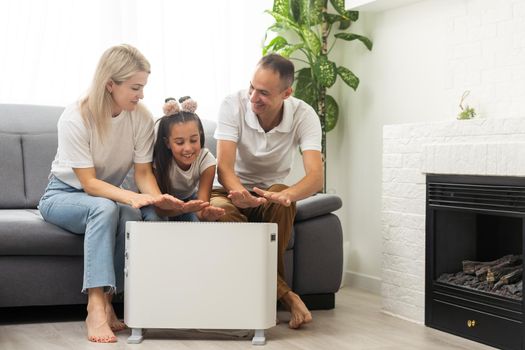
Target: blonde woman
point(100, 138)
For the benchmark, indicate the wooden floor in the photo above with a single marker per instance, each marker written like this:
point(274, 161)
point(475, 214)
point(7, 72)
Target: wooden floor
point(356, 323)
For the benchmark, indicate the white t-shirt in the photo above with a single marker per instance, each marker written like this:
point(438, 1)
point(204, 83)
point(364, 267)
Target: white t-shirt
point(129, 140)
point(184, 182)
point(265, 158)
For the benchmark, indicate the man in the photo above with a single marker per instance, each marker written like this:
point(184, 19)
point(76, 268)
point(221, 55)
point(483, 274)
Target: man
point(257, 134)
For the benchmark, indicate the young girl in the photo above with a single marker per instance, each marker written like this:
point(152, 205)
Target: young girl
point(182, 166)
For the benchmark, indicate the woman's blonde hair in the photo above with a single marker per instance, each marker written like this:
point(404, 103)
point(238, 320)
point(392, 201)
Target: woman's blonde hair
point(118, 63)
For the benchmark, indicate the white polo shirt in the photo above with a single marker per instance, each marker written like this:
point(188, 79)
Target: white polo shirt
point(129, 140)
point(265, 158)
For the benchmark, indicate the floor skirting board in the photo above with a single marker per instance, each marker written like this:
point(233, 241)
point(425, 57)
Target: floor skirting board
point(362, 281)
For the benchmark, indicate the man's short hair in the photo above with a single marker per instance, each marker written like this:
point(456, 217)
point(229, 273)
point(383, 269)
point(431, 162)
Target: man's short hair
point(281, 65)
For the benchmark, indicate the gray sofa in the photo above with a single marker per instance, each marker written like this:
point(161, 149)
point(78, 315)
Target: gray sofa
point(41, 264)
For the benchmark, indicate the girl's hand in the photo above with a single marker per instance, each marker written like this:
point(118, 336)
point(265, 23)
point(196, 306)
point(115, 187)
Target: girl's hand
point(211, 213)
point(281, 198)
point(194, 205)
point(168, 202)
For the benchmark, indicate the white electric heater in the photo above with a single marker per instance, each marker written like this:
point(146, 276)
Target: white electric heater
point(200, 275)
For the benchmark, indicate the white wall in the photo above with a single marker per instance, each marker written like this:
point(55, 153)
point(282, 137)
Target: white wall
point(425, 56)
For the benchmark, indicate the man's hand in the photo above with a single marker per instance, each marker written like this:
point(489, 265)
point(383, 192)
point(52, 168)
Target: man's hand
point(276, 197)
point(244, 199)
point(211, 213)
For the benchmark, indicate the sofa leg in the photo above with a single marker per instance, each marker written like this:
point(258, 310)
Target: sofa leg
point(319, 301)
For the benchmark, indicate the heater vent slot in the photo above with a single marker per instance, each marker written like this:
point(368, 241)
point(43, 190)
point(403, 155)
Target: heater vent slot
point(501, 198)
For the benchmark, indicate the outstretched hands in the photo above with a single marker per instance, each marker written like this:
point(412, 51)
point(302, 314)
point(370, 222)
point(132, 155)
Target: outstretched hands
point(281, 198)
point(167, 202)
point(244, 199)
point(210, 213)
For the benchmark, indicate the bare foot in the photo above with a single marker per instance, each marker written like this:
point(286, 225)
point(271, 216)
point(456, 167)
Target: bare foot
point(114, 323)
point(98, 328)
point(299, 313)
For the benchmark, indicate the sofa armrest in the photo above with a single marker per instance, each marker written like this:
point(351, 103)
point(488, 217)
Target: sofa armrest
point(317, 205)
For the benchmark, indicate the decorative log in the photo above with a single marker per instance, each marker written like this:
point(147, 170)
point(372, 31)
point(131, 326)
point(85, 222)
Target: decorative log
point(494, 273)
point(515, 289)
point(509, 278)
point(502, 276)
point(480, 268)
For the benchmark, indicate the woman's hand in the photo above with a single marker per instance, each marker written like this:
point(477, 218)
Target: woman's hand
point(139, 200)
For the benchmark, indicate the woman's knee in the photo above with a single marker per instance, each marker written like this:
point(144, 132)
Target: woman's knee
point(127, 213)
point(103, 204)
point(103, 209)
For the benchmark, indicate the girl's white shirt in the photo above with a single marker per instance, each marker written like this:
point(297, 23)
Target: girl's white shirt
point(185, 182)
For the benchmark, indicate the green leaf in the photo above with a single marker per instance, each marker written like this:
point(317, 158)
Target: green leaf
point(305, 88)
point(325, 71)
point(287, 50)
point(275, 45)
point(343, 25)
point(314, 11)
point(312, 40)
point(284, 21)
point(348, 77)
point(295, 7)
point(349, 37)
point(339, 6)
point(352, 15)
point(344, 22)
point(282, 7)
point(331, 113)
point(276, 28)
point(332, 18)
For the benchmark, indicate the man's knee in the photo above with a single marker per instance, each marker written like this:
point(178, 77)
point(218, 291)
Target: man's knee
point(231, 212)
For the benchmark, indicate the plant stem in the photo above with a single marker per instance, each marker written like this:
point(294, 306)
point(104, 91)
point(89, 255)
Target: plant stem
point(325, 30)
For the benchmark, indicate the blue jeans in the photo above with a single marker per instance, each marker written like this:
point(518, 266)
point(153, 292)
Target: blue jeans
point(103, 224)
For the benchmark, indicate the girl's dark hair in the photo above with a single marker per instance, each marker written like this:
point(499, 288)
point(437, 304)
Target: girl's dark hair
point(162, 156)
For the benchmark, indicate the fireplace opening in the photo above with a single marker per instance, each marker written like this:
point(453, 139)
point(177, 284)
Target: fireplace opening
point(474, 252)
point(483, 252)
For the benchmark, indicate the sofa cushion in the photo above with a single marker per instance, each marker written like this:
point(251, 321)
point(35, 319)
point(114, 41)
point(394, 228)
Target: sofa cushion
point(28, 119)
point(38, 151)
point(209, 129)
point(12, 189)
point(27, 147)
point(24, 232)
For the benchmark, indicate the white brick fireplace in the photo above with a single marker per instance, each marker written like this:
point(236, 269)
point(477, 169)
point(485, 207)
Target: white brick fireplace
point(494, 147)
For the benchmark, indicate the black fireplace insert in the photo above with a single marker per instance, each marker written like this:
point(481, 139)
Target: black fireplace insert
point(474, 258)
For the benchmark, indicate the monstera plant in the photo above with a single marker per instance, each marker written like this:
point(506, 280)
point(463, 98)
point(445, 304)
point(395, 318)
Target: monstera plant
point(304, 30)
